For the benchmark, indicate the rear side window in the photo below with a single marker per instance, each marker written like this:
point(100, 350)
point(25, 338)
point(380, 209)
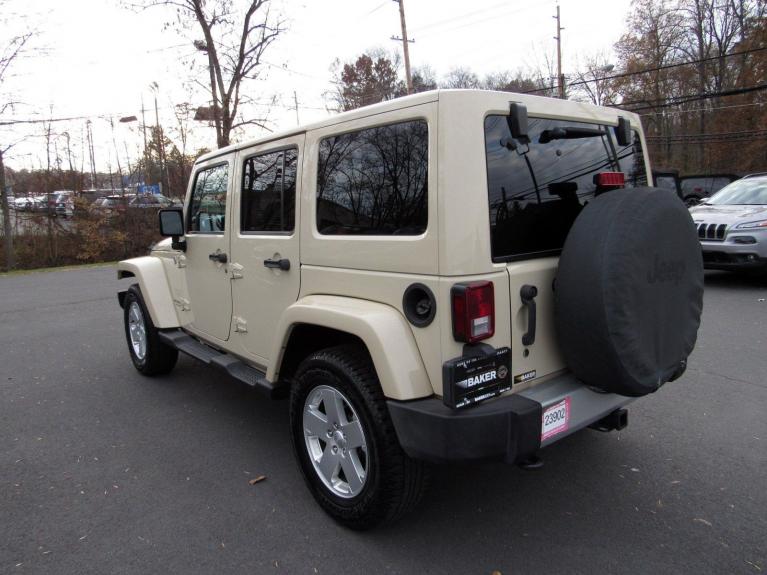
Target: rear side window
point(268, 202)
point(537, 189)
point(374, 181)
point(207, 208)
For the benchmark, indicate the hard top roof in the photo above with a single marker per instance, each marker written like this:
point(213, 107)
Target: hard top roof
point(555, 106)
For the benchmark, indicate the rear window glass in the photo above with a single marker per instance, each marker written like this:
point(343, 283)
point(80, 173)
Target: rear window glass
point(537, 189)
point(374, 181)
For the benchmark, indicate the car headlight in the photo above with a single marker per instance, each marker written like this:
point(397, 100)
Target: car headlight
point(752, 225)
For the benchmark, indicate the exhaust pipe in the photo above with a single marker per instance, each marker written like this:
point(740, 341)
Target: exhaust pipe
point(616, 420)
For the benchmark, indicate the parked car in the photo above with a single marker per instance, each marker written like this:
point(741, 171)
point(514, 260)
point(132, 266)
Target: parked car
point(150, 201)
point(22, 203)
point(61, 203)
point(36, 204)
point(479, 303)
point(732, 225)
point(697, 187)
point(119, 204)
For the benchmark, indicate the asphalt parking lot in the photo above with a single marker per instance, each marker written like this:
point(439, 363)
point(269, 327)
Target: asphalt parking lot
point(105, 471)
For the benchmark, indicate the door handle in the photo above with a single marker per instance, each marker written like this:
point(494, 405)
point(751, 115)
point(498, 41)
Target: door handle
point(283, 264)
point(219, 257)
point(527, 293)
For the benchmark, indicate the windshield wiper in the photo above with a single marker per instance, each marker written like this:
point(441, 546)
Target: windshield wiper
point(565, 133)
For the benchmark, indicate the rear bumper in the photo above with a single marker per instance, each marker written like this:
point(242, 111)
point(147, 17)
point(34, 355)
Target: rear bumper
point(506, 429)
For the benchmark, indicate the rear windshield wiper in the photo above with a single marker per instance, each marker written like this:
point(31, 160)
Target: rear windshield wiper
point(565, 133)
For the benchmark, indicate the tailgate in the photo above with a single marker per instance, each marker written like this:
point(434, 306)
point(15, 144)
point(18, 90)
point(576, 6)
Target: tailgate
point(530, 364)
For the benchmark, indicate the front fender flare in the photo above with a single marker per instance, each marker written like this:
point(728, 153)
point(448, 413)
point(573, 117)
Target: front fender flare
point(381, 328)
point(153, 282)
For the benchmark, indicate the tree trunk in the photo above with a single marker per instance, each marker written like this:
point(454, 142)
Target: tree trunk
point(10, 260)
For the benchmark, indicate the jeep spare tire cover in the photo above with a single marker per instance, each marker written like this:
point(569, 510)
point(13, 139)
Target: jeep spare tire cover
point(629, 291)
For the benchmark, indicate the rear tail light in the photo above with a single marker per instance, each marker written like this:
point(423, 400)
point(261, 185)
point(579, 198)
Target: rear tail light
point(610, 179)
point(473, 305)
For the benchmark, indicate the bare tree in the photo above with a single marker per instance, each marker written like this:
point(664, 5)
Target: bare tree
point(10, 51)
point(518, 81)
point(590, 82)
point(235, 36)
point(371, 78)
point(461, 78)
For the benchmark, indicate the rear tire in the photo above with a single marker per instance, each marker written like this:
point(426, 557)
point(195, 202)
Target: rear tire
point(149, 354)
point(387, 483)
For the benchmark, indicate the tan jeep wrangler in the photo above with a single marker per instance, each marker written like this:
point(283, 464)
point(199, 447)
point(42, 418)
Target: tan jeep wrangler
point(449, 276)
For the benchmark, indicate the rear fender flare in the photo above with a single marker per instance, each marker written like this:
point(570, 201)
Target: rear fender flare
point(382, 329)
point(150, 273)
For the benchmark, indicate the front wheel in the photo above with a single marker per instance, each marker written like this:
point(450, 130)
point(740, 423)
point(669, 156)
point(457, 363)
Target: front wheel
point(149, 354)
point(345, 442)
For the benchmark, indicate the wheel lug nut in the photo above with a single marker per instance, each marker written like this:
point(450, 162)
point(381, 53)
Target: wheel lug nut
point(335, 449)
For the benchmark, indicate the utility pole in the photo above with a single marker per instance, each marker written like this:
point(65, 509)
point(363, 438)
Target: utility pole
point(558, 38)
point(405, 43)
point(117, 154)
point(143, 126)
point(90, 153)
point(161, 152)
point(295, 100)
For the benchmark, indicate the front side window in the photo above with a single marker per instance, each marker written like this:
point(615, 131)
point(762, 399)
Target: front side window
point(537, 189)
point(374, 181)
point(268, 201)
point(207, 208)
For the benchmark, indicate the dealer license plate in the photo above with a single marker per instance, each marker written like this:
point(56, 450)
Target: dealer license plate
point(468, 380)
point(555, 419)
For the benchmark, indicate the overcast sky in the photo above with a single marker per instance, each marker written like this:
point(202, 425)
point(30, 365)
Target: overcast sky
point(99, 58)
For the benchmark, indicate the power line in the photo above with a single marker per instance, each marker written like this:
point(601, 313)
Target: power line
point(676, 101)
point(708, 135)
point(711, 109)
point(465, 23)
point(648, 70)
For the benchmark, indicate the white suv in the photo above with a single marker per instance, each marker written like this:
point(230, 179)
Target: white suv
point(450, 276)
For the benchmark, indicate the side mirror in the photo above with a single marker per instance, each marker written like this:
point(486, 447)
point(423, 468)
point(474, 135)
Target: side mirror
point(172, 226)
point(517, 121)
point(623, 132)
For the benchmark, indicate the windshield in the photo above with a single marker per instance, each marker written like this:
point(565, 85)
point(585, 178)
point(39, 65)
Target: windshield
point(537, 190)
point(749, 192)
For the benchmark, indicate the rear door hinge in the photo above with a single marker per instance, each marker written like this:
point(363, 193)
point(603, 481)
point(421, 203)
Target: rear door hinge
point(236, 270)
point(240, 325)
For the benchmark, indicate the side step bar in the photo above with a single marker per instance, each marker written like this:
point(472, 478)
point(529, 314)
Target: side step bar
point(231, 365)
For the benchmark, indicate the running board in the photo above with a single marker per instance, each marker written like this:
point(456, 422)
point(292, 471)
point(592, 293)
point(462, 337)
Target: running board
point(231, 365)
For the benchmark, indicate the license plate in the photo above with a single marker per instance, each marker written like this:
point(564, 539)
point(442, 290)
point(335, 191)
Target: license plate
point(555, 419)
point(468, 380)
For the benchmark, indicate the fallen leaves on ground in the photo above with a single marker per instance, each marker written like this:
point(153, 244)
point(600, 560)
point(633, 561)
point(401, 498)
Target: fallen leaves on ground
point(258, 479)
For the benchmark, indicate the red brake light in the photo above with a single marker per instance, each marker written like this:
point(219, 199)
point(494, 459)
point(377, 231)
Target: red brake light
point(473, 305)
point(611, 179)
